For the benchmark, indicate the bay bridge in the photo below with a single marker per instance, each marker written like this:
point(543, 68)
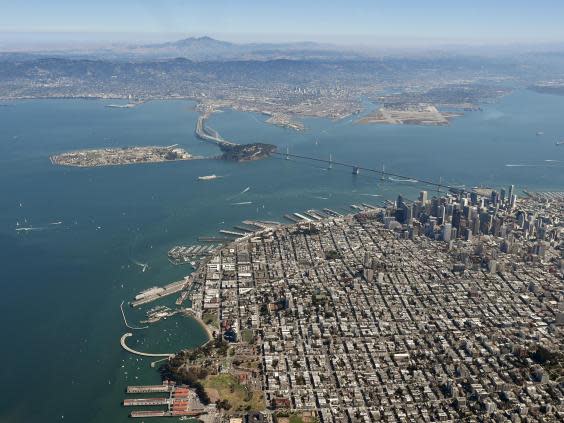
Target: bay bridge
point(383, 173)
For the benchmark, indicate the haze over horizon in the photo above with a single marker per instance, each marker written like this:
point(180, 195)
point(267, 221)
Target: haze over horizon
point(359, 22)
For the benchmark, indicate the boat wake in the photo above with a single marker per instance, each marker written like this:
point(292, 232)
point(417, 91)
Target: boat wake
point(413, 181)
point(240, 193)
point(143, 266)
point(534, 165)
point(28, 229)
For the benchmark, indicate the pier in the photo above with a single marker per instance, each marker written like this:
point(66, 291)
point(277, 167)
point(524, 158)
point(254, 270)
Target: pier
point(125, 320)
point(132, 351)
point(291, 218)
point(144, 401)
point(146, 389)
point(167, 290)
point(302, 217)
point(233, 233)
point(214, 239)
point(181, 401)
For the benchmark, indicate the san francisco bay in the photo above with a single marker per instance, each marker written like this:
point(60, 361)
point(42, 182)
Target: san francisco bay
point(63, 280)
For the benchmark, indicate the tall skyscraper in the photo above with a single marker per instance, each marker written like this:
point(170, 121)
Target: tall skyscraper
point(446, 232)
point(513, 200)
point(502, 195)
point(423, 197)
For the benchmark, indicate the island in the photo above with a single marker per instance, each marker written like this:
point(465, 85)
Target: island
point(409, 114)
point(231, 150)
point(246, 152)
point(121, 156)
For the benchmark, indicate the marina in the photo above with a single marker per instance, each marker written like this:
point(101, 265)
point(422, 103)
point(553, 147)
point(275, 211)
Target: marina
point(158, 313)
point(182, 254)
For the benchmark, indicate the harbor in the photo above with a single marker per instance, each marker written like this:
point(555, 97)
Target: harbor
point(182, 254)
point(180, 401)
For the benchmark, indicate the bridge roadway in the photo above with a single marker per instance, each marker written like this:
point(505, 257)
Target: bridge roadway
point(132, 351)
point(380, 172)
point(209, 134)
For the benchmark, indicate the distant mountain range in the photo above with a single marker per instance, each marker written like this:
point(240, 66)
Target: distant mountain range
point(208, 49)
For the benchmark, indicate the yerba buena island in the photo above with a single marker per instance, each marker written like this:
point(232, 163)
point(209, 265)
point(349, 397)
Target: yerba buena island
point(440, 309)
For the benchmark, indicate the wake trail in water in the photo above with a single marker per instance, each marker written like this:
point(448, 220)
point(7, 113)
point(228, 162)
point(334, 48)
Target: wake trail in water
point(144, 266)
point(413, 181)
point(239, 194)
point(547, 166)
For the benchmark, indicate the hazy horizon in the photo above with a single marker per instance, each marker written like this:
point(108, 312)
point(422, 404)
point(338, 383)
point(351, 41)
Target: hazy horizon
point(357, 22)
point(45, 41)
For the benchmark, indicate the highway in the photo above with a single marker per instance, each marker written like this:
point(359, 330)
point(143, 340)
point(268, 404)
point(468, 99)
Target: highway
point(209, 134)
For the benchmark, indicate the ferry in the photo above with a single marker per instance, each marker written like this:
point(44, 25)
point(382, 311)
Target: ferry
point(207, 177)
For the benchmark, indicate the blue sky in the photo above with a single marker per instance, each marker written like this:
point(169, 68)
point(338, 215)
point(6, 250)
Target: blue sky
point(353, 21)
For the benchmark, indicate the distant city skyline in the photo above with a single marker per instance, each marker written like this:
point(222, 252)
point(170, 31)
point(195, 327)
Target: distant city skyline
point(371, 23)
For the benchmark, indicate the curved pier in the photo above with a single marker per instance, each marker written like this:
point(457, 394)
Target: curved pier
point(132, 351)
point(125, 320)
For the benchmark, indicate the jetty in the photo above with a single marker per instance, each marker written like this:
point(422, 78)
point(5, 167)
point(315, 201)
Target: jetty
point(125, 320)
point(143, 354)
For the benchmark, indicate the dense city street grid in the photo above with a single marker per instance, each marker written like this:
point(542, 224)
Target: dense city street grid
point(400, 314)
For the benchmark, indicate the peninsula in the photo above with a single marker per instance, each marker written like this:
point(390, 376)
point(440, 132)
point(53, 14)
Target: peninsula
point(121, 156)
point(441, 309)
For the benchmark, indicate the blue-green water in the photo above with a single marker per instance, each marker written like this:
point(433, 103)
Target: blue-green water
point(62, 284)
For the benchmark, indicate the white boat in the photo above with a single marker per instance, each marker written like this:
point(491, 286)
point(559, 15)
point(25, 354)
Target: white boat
point(207, 177)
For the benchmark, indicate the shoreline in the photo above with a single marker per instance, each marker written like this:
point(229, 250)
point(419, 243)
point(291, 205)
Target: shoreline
point(203, 325)
point(127, 164)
